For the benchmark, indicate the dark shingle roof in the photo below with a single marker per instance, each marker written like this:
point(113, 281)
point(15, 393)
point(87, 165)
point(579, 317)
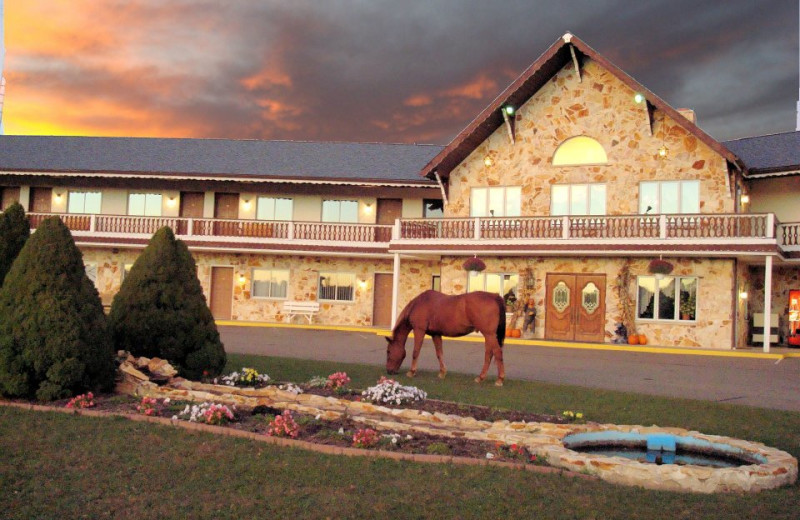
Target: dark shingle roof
point(207, 157)
point(768, 153)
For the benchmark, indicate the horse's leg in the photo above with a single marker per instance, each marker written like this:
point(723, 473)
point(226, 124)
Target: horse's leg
point(437, 343)
point(419, 336)
point(487, 360)
point(501, 368)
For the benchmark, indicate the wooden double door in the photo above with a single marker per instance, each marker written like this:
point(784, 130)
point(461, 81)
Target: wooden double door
point(575, 306)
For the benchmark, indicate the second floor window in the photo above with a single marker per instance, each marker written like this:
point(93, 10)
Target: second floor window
point(578, 199)
point(272, 208)
point(337, 286)
point(84, 202)
point(144, 204)
point(669, 197)
point(270, 283)
point(339, 211)
point(497, 201)
point(432, 208)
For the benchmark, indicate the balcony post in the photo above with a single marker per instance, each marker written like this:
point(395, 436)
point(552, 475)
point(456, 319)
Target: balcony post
point(767, 301)
point(565, 226)
point(92, 222)
point(662, 226)
point(395, 287)
point(770, 225)
point(290, 230)
point(190, 227)
point(477, 226)
point(396, 229)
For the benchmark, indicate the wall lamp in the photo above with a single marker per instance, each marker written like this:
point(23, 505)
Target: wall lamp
point(246, 204)
point(58, 196)
point(663, 151)
point(638, 98)
point(368, 208)
point(242, 279)
point(487, 161)
point(171, 202)
point(362, 284)
point(745, 199)
point(743, 295)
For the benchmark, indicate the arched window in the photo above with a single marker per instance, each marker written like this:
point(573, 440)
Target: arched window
point(579, 150)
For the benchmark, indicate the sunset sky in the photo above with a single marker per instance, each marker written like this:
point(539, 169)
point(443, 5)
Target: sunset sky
point(373, 70)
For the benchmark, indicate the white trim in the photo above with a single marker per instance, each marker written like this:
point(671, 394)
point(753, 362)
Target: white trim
point(767, 301)
point(395, 288)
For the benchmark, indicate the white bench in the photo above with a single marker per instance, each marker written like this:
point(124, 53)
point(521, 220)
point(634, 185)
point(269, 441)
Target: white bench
point(305, 309)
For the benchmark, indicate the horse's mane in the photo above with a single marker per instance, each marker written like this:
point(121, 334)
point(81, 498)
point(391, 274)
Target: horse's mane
point(402, 319)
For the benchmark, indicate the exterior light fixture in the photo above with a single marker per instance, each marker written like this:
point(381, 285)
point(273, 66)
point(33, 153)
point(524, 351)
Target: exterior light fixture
point(745, 199)
point(663, 151)
point(368, 208)
point(241, 279)
point(487, 161)
point(509, 110)
point(638, 98)
point(742, 295)
point(171, 202)
point(246, 204)
point(362, 284)
point(58, 197)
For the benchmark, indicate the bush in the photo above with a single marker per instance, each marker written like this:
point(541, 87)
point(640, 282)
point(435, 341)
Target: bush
point(54, 341)
point(15, 228)
point(160, 311)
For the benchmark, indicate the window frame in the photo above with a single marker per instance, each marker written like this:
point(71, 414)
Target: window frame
point(336, 299)
point(487, 200)
point(271, 270)
point(657, 210)
point(570, 187)
point(677, 299)
point(339, 211)
point(147, 195)
point(91, 265)
point(73, 193)
point(275, 200)
point(503, 275)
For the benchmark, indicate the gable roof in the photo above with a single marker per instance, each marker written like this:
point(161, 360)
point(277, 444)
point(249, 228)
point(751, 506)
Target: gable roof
point(769, 155)
point(206, 158)
point(533, 79)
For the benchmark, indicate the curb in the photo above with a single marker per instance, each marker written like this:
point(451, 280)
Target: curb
point(304, 445)
point(675, 351)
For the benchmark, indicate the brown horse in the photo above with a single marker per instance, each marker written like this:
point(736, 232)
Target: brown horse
point(440, 315)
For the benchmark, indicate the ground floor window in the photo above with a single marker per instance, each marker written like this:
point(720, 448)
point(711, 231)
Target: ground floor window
point(669, 298)
point(91, 272)
point(270, 283)
point(337, 286)
point(500, 283)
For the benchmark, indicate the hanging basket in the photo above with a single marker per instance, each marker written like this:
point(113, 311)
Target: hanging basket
point(474, 264)
point(660, 267)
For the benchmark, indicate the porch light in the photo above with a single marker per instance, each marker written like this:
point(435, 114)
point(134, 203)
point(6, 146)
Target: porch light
point(663, 151)
point(487, 161)
point(242, 279)
point(745, 199)
point(362, 284)
point(638, 98)
point(509, 110)
point(742, 295)
point(368, 208)
point(246, 204)
point(58, 197)
point(171, 202)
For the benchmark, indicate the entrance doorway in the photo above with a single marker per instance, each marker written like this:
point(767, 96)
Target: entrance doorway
point(575, 307)
point(382, 301)
point(221, 300)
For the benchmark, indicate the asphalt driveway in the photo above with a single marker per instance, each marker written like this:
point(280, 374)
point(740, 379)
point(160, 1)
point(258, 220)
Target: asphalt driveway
point(755, 382)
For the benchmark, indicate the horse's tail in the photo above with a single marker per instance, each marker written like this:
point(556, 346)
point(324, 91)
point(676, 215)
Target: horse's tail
point(501, 326)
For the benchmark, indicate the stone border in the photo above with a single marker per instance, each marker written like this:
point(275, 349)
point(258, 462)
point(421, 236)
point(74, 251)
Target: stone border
point(304, 445)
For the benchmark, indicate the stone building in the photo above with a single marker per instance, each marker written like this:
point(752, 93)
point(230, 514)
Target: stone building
point(568, 186)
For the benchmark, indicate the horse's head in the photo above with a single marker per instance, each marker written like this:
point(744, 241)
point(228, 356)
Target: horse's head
point(395, 354)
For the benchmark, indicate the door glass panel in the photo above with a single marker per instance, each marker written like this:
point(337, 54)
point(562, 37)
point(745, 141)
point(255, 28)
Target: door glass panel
point(666, 298)
point(688, 298)
point(590, 297)
point(648, 198)
point(513, 201)
point(496, 202)
point(477, 206)
point(560, 200)
point(597, 202)
point(494, 283)
point(561, 296)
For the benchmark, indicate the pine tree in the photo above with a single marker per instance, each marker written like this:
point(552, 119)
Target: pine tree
point(15, 228)
point(54, 340)
point(160, 310)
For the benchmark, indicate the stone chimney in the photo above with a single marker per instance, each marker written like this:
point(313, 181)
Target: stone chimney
point(688, 113)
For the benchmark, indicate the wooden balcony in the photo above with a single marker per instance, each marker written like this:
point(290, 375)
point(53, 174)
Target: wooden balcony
point(223, 234)
point(696, 233)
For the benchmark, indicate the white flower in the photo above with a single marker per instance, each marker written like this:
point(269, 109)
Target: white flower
point(490, 456)
point(174, 417)
point(166, 400)
point(341, 431)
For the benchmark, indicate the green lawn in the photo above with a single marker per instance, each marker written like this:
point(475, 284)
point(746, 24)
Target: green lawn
point(61, 466)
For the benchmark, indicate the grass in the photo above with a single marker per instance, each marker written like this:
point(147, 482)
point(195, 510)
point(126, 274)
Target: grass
point(61, 466)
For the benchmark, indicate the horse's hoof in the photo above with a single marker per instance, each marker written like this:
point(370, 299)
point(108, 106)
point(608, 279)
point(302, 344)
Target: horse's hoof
point(410, 373)
point(499, 382)
point(478, 380)
point(442, 374)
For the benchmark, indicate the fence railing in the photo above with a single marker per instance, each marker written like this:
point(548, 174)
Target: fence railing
point(118, 225)
point(594, 227)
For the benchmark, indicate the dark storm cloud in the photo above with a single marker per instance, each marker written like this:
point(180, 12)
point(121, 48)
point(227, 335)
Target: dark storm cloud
point(408, 71)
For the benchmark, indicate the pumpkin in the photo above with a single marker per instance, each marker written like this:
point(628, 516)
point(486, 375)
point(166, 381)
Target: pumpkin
point(516, 333)
point(642, 339)
point(633, 339)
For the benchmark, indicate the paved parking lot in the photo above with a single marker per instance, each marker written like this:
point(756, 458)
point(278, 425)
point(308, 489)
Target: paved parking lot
point(755, 382)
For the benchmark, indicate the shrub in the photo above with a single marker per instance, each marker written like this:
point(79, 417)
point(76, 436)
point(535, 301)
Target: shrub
point(160, 311)
point(54, 341)
point(15, 228)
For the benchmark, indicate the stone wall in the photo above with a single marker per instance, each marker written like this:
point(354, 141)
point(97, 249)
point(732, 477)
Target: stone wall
point(713, 327)
point(603, 108)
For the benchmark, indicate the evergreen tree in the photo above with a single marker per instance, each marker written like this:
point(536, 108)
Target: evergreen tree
point(54, 340)
point(160, 310)
point(15, 228)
